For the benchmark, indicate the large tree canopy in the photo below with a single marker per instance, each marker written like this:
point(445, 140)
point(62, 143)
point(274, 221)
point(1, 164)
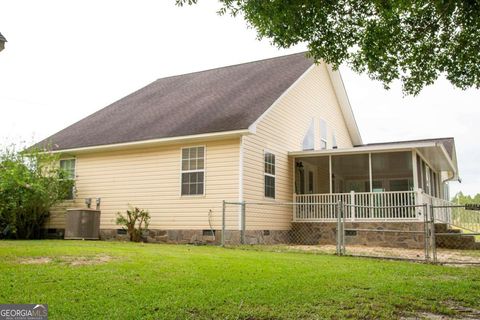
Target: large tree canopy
point(411, 40)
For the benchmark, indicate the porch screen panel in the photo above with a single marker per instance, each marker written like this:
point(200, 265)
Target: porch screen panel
point(419, 173)
point(323, 171)
point(312, 175)
point(350, 173)
point(392, 171)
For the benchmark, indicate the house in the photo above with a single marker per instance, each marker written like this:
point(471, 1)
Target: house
point(274, 131)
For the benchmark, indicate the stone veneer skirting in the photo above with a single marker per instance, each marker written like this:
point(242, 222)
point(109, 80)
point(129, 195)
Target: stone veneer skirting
point(198, 237)
point(305, 233)
point(313, 233)
point(302, 233)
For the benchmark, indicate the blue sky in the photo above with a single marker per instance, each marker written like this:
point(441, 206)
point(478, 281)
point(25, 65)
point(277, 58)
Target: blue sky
point(65, 60)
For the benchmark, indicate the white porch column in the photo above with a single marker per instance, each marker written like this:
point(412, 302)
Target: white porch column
point(330, 172)
point(370, 175)
point(352, 202)
point(419, 201)
point(414, 170)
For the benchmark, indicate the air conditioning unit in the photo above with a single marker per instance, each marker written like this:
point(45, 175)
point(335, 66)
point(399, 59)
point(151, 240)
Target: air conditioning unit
point(82, 224)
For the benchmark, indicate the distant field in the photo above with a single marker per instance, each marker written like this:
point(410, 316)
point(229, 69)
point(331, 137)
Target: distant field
point(114, 280)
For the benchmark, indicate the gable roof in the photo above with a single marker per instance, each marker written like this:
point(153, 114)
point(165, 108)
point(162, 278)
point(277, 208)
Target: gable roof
point(2, 38)
point(223, 99)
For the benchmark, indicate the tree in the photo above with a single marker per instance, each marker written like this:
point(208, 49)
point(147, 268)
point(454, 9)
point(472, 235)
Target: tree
point(30, 184)
point(460, 198)
point(410, 40)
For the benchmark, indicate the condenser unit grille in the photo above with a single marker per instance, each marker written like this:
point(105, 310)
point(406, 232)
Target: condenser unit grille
point(82, 224)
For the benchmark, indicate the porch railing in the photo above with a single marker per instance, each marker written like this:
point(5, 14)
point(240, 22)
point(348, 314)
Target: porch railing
point(368, 206)
point(442, 208)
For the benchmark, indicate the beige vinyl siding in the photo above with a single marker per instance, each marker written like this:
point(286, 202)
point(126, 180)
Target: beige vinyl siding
point(150, 179)
point(281, 130)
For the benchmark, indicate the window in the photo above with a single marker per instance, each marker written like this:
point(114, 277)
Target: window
point(68, 168)
point(323, 134)
point(309, 139)
point(269, 175)
point(334, 141)
point(193, 171)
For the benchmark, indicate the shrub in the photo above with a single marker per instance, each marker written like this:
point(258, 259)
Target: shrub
point(30, 185)
point(136, 222)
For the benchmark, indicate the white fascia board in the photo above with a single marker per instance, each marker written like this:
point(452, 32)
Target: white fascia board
point(453, 165)
point(366, 149)
point(158, 142)
point(345, 106)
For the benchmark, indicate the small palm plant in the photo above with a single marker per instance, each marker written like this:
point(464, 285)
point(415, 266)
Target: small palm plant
point(135, 221)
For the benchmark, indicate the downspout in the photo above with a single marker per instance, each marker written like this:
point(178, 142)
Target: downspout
point(447, 180)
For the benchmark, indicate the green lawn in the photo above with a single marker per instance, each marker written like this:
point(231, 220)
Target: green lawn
point(113, 280)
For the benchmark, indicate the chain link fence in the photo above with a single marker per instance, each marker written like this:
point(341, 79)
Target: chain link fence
point(457, 234)
point(409, 232)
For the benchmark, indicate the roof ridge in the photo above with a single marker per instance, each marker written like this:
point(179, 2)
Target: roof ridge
point(230, 65)
point(170, 107)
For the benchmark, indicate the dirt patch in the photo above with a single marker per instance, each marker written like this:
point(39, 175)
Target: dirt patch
point(443, 255)
point(69, 260)
point(431, 316)
point(460, 313)
point(36, 260)
point(434, 316)
point(83, 261)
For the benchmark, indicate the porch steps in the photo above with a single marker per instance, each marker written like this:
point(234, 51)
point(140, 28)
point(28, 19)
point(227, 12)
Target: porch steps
point(457, 240)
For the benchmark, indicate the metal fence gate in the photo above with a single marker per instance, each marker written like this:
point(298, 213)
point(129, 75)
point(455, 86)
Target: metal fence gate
point(426, 233)
point(409, 239)
point(457, 234)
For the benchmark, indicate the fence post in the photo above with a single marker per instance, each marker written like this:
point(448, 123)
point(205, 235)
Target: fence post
point(426, 232)
point(223, 223)
point(432, 234)
point(342, 227)
point(352, 202)
point(242, 223)
point(339, 228)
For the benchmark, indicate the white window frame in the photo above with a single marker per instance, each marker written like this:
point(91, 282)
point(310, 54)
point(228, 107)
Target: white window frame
point(334, 140)
point(74, 189)
point(310, 129)
point(270, 175)
point(322, 124)
point(204, 170)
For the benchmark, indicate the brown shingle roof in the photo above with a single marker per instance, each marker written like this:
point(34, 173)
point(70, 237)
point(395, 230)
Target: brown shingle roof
point(223, 99)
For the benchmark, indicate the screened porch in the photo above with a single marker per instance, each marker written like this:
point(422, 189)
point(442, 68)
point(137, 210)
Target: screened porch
point(383, 184)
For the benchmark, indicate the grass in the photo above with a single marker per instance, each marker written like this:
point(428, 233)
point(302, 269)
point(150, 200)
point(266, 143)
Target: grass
point(114, 280)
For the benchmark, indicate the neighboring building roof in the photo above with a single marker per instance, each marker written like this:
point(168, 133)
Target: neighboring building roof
point(2, 38)
point(224, 99)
